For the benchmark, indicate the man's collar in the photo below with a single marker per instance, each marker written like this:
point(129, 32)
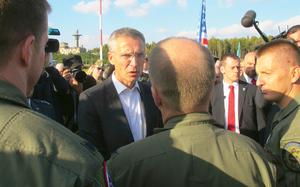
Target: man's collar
point(227, 85)
point(12, 93)
point(248, 79)
point(120, 87)
point(186, 119)
point(293, 104)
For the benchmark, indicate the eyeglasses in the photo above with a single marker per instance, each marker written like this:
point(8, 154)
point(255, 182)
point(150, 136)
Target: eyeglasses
point(129, 57)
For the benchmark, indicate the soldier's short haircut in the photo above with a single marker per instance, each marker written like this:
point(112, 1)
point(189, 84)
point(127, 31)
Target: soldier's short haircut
point(228, 55)
point(19, 19)
point(280, 43)
point(189, 85)
point(123, 32)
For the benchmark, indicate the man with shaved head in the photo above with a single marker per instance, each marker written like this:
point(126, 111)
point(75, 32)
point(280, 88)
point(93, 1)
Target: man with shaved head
point(278, 68)
point(191, 150)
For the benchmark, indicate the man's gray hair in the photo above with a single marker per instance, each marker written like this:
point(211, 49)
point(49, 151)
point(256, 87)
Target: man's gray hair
point(126, 31)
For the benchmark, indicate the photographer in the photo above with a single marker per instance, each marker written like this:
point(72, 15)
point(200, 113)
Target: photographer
point(78, 81)
point(74, 74)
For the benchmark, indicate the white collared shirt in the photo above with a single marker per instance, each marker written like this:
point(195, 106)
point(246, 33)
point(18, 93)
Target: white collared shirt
point(133, 108)
point(249, 79)
point(226, 91)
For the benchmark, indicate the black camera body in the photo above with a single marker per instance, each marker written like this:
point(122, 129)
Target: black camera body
point(78, 74)
point(74, 63)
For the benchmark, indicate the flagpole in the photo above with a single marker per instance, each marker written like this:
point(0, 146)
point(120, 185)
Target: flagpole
point(100, 23)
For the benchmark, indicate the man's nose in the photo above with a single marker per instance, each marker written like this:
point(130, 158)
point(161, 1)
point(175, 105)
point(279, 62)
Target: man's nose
point(259, 82)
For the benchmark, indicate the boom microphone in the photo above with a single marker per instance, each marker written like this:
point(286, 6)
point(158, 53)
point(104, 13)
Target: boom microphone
point(249, 18)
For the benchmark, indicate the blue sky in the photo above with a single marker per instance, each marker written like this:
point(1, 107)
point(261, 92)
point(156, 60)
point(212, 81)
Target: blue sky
point(159, 19)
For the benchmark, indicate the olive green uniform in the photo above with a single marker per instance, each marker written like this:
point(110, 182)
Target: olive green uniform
point(37, 151)
point(191, 151)
point(284, 142)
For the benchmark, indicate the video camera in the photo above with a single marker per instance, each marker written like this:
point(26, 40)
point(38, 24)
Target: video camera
point(74, 63)
point(52, 44)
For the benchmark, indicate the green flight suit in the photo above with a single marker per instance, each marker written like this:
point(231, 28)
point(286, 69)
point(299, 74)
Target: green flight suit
point(37, 151)
point(191, 151)
point(284, 143)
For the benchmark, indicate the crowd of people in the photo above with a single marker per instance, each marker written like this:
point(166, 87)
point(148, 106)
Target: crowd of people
point(177, 117)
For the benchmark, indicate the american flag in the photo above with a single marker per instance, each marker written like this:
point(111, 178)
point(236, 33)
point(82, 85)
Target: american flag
point(202, 32)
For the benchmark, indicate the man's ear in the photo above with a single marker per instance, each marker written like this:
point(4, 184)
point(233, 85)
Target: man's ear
point(295, 74)
point(156, 97)
point(110, 57)
point(222, 69)
point(27, 49)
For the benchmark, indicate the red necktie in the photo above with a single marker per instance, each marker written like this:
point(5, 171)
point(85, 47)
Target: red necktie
point(231, 118)
point(253, 81)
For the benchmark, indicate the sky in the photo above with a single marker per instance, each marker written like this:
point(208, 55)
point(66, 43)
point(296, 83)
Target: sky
point(159, 19)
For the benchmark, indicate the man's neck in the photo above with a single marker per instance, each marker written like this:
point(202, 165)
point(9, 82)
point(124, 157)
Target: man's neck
point(168, 114)
point(229, 82)
point(13, 79)
point(295, 91)
point(128, 84)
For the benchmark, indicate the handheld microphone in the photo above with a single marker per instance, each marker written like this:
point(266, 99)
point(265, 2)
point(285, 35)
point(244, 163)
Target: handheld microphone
point(249, 18)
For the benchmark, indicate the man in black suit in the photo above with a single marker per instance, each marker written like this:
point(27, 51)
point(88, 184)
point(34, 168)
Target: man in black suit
point(249, 73)
point(120, 110)
point(233, 104)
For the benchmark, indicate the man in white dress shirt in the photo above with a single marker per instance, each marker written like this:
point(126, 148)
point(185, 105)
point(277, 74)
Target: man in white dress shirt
point(233, 103)
point(120, 110)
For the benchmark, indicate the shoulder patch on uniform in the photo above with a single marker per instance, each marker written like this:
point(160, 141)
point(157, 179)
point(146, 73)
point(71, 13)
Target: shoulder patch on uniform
point(291, 156)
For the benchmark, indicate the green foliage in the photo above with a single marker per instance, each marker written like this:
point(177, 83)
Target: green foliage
point(220, 47)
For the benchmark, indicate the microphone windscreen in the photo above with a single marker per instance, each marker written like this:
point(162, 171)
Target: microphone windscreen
point(248, 19)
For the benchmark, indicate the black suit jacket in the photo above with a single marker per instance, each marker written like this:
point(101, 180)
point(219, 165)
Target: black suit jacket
point(102, 121)
point(251, 117)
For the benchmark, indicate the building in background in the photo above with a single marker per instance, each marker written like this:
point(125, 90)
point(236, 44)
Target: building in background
point(66, 50)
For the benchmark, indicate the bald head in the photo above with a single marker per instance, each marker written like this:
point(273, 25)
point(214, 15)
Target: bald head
point(249, 64)
point(182, 71)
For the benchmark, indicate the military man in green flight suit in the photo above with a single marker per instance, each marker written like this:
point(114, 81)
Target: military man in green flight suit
point(191, 150)
point(278, 67)
point(35, 150)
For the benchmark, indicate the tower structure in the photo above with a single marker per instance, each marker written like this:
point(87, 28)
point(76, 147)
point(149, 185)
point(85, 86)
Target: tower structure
point(77, 35)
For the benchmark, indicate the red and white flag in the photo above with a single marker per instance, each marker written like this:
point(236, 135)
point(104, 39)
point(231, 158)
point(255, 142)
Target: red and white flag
point(202, 31)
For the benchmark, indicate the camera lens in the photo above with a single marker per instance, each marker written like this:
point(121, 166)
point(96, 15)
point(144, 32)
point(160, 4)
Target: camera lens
point(79, 75)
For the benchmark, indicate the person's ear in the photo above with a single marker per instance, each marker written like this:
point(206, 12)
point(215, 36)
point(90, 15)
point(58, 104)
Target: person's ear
point(295, 74)
point(222, 69)
point(156, 97)
point(27, 49)
point(110, 57)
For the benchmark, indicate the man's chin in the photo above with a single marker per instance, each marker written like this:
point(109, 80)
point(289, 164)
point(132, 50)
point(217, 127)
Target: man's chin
point(251, 74)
